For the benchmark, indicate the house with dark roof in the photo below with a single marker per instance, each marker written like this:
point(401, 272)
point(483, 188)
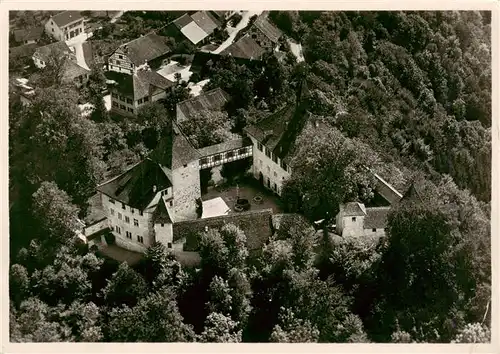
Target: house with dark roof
point(354, 220)
point(265, 33)
point(58, 49)
point(130, 92)
point(213, 100)
point(245, 47)
point(148, 50)
point(203, 61)
point(273, 138)
point(65, 25)
point(197, 27)
point(28, 36)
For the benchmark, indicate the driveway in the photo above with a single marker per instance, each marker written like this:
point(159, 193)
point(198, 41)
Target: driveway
point(234, 31)
point(76, 43)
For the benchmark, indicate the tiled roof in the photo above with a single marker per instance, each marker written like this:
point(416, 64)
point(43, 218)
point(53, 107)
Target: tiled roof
point(206, 21)
point(224, 146)
point(353, 209)
point(145, 48)
point(138, 84)
point(211, 100)
point(386, 190)
point(256, 225)
point(194, 33)
point(282, 219)
point(57, 48)
point(279, 130)
point(134, 187)
point(72, 70)
point(182, 21)
point(161, 215)
point(23, 51)
point(267, 28)
point(246, 48)
point(376, 217)
point(66, 17)
point(27, 35)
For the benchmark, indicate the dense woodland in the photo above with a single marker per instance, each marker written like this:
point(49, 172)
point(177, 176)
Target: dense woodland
point(407, 94)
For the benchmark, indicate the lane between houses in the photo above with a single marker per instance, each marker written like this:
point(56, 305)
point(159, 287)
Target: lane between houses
point(243, 23)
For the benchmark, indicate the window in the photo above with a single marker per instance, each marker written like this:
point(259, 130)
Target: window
point(120, 56)
point(162, 225)
point(171, 203)
point(146, 99)
point(254, 36)
point(275, 174)
point(268, 153)
point(132, 210)
point(139, 101)
point(117, 62)
point(275, 187)
point(112, 211)
point(259, 146)
point(130, 110)
point(353, 218)
point(127, 219)
point(284, 166)
point(275, 158)
point(242, 151)
point(185, 165)
point(140, 239)
point(229, 154)
point(141, 213)
point(136, 222)
point(217, 158)
point(119, 216)
point(122, 106)
point(169, 245)
point(123, 206)
point(111, 201)
point(374, 230)
point(204, 161)
point(129, 101)
point(129, 234)
point(118, 229)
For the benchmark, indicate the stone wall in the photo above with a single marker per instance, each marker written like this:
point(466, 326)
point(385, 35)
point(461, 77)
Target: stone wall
point(186, 181)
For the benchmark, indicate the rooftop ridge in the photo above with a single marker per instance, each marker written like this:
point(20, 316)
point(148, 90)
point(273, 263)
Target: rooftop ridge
point(244, 213)
point(202, 94)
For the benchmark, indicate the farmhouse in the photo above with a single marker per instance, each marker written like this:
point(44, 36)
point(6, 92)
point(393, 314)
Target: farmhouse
point(265, 33)
point(65, 25)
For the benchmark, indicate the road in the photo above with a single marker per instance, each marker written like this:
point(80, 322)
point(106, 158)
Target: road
point(243, 23)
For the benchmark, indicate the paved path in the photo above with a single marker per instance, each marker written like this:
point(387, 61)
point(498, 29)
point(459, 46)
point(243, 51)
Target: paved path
point(296, 49)
point(243, 23)
point(76, 42)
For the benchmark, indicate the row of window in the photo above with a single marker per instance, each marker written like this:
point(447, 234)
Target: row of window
point(118, 229)
point(272, 156)
point(124, 207)
point(122, 98)
point(127, 219)
point(111, 67)
point(219, 157)
point(141, 100)
point(122, 107)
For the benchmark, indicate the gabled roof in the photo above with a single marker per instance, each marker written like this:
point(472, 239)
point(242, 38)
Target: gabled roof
point(135, 186)
point(161, 215)
point(211, 100)
point(23, 51)
point(224, 146)
point(34, 33)
point(246, 48)
point(194, 33)
point(267, 28)
point(206, 21)
point(145, 48)
point(57, 48)
point(353, 209)
point(72, 70)
point(66, 17)
point(279, 130)
point(182, 21)
point(257, 226)
point(138, 84)
point(376, 217)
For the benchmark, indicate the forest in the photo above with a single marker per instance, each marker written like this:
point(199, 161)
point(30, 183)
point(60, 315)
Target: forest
point(406, 93)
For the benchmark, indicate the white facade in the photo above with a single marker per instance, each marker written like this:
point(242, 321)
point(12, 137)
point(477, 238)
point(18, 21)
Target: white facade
point(65, 33)
point(272, 168)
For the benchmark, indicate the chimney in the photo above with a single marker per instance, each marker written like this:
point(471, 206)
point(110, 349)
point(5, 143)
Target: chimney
point(154, 188)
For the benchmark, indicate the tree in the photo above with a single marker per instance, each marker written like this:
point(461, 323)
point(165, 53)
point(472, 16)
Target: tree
point(84, 321)
point(155, 318)
point(220, 296)
point(293, 330)
point(220, 329)
point(329, 169)
point(126, 287)
point(205, 128)
point(473, 333)
point(179, 93)
point(55, 213)
point(156, 120)
point(236, 244)
point(19, 284)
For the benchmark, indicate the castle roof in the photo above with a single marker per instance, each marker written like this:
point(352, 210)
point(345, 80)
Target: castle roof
point(257, 226)
point(376, 217)
point(161, 215)
point(136, 186)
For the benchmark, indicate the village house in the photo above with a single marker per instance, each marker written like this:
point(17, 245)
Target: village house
point(148, 50)
point(197, 28)
point(213, 100)
point(28, 36)
point(60, 54)
point(265, 33)
point(65, 25)
point(246, 48)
